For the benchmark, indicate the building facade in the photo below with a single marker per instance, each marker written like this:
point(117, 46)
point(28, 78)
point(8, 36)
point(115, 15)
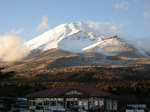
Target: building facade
point(63, 98)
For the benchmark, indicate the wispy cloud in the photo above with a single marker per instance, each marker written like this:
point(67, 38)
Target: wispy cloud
point(144, 43)
point(146, 13)
point(147, 7)
point(105, 28)
point(122, 5)
point(15, 32)
point(43, 25)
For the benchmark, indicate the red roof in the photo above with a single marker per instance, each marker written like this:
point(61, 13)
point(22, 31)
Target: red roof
point(59, 92)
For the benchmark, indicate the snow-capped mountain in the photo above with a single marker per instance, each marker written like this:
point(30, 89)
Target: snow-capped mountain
point(79, 38)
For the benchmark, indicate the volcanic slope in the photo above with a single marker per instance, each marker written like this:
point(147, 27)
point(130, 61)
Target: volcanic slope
point(80, 38)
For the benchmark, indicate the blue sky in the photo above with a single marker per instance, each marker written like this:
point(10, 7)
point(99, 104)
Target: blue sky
point(29, 18)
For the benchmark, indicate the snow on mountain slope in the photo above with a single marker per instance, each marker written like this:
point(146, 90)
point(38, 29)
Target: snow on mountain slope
point(111, 45)
point(78, 41)
point(50, 39)
point(79, 38)
point(71, 37)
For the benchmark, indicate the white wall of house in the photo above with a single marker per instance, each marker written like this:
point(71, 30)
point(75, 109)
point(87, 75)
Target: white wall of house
point(109, 104)
point(112, 104)
point(115, 104)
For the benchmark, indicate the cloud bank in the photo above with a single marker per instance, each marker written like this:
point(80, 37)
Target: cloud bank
point(43, 25)
point(12, 48)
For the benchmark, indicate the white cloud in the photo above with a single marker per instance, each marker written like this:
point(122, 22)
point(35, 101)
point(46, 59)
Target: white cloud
point(12, 48)
point(15, 32)
point(122, 5)
point(107, 29)
point(147, 17)
point(43, 25)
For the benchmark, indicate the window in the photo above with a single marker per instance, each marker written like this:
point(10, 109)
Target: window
point(39, 108)
point(32, 103)
point(53, 103)
point(59, 103)
point(46, 102)
point(39, 103)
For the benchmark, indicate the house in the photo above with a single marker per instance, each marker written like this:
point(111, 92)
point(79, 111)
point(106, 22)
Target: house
point(65, 97)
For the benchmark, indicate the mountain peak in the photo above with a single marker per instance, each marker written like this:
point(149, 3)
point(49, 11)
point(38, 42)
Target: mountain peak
point(51, 38)
point(79, 38)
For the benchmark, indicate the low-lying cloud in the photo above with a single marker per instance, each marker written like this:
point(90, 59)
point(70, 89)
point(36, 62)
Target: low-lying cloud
point(12, 48)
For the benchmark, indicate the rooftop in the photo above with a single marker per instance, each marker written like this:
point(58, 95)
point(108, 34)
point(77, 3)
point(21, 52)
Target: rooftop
point(61, 92)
